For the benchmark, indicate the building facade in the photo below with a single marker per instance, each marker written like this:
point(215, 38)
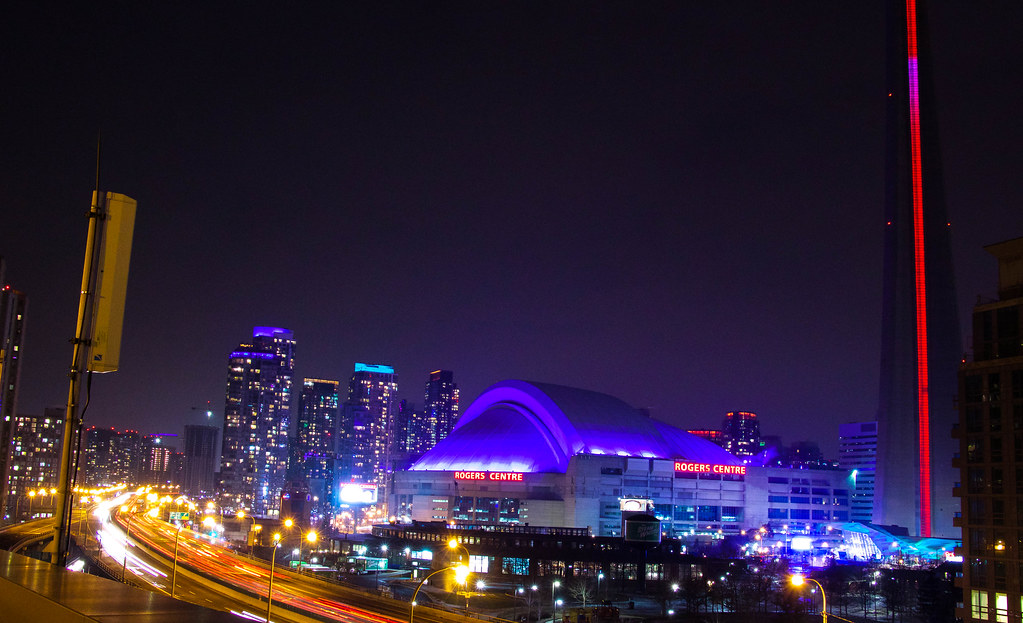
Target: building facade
point(318, 421)
point(374, 388)
point(111, 457)
point(35, 462)
point(857, 454)
point(257, 416)
point(990, 461)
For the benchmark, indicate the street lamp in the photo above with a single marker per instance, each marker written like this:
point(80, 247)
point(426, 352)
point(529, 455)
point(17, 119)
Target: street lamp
point(798, 580)
point(461, 575)
point(557, 602)
point(312, 537)
point(600, 576)
point(174, 573)
point(127, 535)
point(454, 544)
point(554, 600)
point(536, 588)
point(270, 587)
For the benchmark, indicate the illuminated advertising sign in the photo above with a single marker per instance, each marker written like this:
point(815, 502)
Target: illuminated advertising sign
point(490, 476)
point(358, 493)
point(709, 468)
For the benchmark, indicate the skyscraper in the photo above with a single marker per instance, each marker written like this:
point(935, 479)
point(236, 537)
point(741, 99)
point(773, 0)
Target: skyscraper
point(13, 305)
point(741, 433)
point(35, 458)
point(991, 449)
point(257, 415)
point(200, 460)
point(373, 387)
point(857, 453)
point(920, 348)
point(318, 419)
point(441, 410)
point(111, 457)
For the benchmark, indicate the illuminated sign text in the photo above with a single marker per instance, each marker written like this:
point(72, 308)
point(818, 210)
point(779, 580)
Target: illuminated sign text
point(710, 468)
point(493, 476)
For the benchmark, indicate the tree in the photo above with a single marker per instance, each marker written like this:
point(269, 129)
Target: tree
point(580, 590)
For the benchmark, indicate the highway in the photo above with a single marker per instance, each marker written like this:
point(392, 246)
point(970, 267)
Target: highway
point(211, 575)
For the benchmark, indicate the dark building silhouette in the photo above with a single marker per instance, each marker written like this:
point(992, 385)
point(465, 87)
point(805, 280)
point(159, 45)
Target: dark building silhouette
point(201, 457)
point(13, 305)
point(920, 348)
point(990, 441)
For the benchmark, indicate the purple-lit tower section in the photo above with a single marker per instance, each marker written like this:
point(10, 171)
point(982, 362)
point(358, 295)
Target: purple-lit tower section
point(921, 340)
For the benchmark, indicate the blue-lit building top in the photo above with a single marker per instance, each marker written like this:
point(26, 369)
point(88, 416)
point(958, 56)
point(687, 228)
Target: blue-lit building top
point(537, 427)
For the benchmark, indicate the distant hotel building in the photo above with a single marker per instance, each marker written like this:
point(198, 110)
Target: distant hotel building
point(371, 407)
point(257, 416)
point(741, 433)
point(990, 437)
point(857, 453)
point(561, 457)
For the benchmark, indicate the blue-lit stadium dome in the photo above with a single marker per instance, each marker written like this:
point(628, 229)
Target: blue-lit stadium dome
point(520, 426)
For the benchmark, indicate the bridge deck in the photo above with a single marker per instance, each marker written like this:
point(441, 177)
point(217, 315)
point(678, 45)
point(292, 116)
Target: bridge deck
point(31, 590)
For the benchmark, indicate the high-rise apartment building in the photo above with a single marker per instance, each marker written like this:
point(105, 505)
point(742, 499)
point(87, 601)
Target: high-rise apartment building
point(111, 457)
point(741, 433)
point(920, 336)
point(201, 457)
point(257, 415)
point(35, 461)
point(373, 387)
point(857, 453)
point(318, 420)
point(990, 437)
point(441, 409)
point(158, 463)
point(13, 305)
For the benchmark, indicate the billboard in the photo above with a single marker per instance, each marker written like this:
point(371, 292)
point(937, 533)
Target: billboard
point(358, 493)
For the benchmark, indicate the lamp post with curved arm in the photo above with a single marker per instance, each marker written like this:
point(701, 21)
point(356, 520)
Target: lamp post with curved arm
point(461, 575)
point(127, 535)
point(798, 580)
point(270, 588)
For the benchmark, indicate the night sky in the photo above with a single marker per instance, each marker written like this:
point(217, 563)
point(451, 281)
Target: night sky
point(679, 204)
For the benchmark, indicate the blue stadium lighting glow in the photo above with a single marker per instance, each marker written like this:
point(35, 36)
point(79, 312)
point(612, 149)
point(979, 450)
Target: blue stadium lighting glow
point(519, 426)
point(269, 331)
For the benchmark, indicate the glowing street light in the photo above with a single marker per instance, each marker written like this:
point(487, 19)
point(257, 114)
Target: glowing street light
point(798, 580)
point(461, 575)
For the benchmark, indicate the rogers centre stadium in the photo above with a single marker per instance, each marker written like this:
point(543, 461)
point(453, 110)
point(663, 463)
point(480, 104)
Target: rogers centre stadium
point(527, 453)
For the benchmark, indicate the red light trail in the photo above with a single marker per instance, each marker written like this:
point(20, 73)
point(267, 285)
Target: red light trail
point(923, 408)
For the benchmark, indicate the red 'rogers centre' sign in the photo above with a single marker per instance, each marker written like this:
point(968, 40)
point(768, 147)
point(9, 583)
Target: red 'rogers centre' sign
point(493, 476)
point(709, 468)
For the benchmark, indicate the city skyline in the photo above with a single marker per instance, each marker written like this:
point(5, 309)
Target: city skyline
point(693, 222)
